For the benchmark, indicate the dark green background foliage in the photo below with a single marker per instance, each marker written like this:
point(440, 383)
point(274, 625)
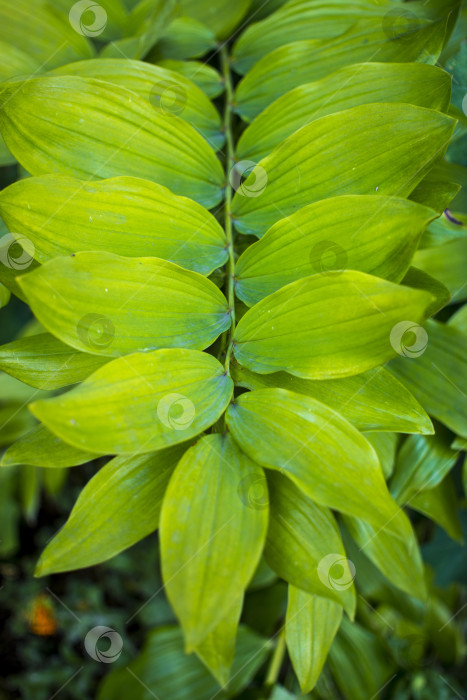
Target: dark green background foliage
point(233, 379)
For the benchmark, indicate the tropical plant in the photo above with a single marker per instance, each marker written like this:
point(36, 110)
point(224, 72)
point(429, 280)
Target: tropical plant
point(236, 312)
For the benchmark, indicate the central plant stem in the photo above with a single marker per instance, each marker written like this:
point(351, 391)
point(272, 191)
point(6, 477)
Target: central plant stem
point(226, 343)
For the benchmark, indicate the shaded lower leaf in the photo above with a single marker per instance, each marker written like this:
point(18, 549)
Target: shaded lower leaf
point(41, 448)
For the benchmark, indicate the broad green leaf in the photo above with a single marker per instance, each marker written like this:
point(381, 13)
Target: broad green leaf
point(327, 326)
point(222, 17)
point(374, 400)
point(124, 215)
point(435, 191)
point(44, 362)
point(418, 279)
point(272, 76)
point(304, 545)
point(40, 448)
point(422, 463)
point(437, 376)
point(167, 672)
point(414, 83)
point(389, 148)
point(165, 90)
point(211, 536)
point(385, 446)
point(370, 233)
point(111, 305)
point(140, 403)
point(313, 19)
point(217, 650)
point(441, 505)
point(398, 558)
point(110, 18)
point(14, 61)
point(91, 129)
point(317, 448)
point(48, 37)
point(446, 263)
point(184, 38)
point(4, 295)
point(310, 627)
point(444, 230)
point(204, 76)
point(118, 507)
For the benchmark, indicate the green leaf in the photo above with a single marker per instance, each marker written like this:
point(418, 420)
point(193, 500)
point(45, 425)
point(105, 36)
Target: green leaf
point(44, 362)
point(385, 446)
point(285, 331)
point(165, 90)
point(370, 233)
point(398, 558)
point(317, 448)
point(184, 38)
point(374, 400)
point(118, 507)
point(15, 258)
point(459, 320)
point(443, 231)
point(221, 17)
point(414, 83)
point(4, 296)
point(302, 62)
point(204, 76)
point(446, 263)
point(437, 376)
point(422, 463)
point(217, 650)
point(418, 279)
point(211, 536)
point(310, 627)
point(91, 129)
point(140, 403)
point(441, 505)
point(389, 148)
point(304, 545)
point(40, 448)
point(124, 215)
point(49, 38)
point(110, 305)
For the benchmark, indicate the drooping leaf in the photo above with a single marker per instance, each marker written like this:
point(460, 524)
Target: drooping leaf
point(414, 83)
point(111, 305)
point(418, 279)
point(389, 148)
point(374, 400)
point(114, 132)
point(446, 263)
point(370, 233)
point(304, 545)
point(385, 446)
point(40, 448)
point(204, 76)
point(44, 362)
point(211, 536)
point(310, 627)
point(327, 326)
point(312, 60)
point(166, 91)
point(184, 38)
point(441, 505)
point(217, 650)
point(222, 17)
point(437, 376)
point(124, 215)
point(118, 507)
point(317, 448)
point(140, 403)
